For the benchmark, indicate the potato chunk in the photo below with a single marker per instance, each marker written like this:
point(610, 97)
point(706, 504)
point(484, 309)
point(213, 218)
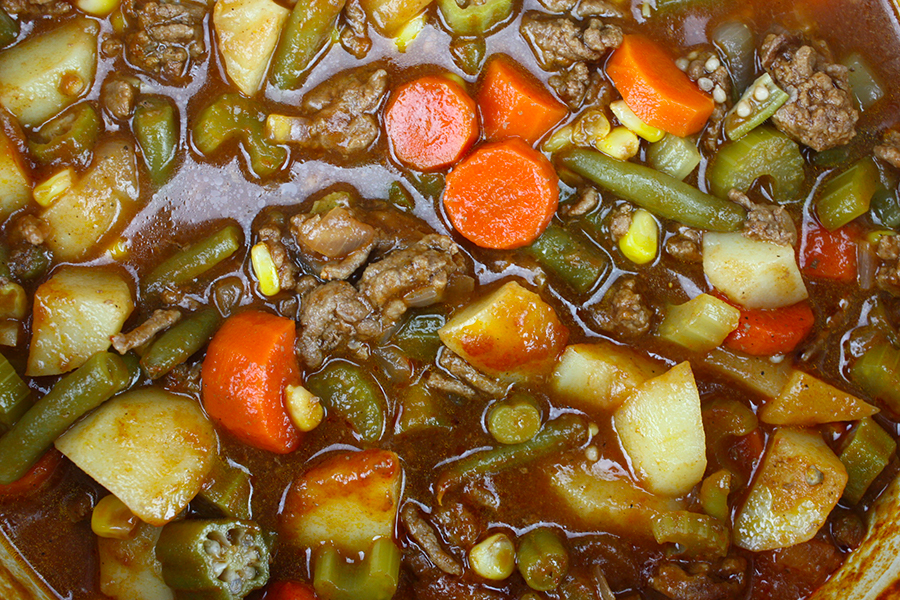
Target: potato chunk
point(348, 500)
point(75, 313)
point(510, 333)
point(753, 273)
point(806, 400)
point(248, 31)
point(661, 430)
point(150, 448)
point(129, 569)
point(389, 16)
point(598, 377)
point(15, 183)
point(798, 483)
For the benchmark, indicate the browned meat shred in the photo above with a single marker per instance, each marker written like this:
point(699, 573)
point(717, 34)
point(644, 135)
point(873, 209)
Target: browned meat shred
point(459, 523)
point(580, 85)
point(29, 229)
point(560, 42)
point(599, 8)
point(620, 221)
point(889, 150)
point(767, 223)
point(119, 96)
point(887, 277)
point(623, 310)
point(558, 5)
point(463, 371)
point(821, 112)
point(158, 321)
point(33, 9)
point(338, 242)
point(445, 587)
point(335, 317)
point(439, 381)
point(686, 245)
point(426, 537)
point(588, 199)
point(355, 34)
point(701, 581)
point(165, 36)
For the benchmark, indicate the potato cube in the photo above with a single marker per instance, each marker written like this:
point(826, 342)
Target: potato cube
point(806, 401)
point(798, 483)
point(129, 569)
point(248, 31)
point(75, 313)
point(15, 183)
point(661, 430)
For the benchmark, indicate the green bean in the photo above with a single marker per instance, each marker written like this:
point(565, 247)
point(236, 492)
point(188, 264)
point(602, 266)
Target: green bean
point(476, 18)
point(376, 577)
point(657, 192)
point(306, 32)
point(848, 195)
point(737, 43)
point(228, 490)
point(155, 126)
point(9, 29)
point(515, 419)
point(577, 262)
point(195, 260)
point(133, 363)
point(698, 535)
point(542, 559)
point(13, 394)
point(232, 116)
point(98, 379)
point(566, 431)
point(674, 156)
point(868, 450)
point(418, 336)
point(28, 262)
point(180, 342)
point(351, 392)
point(468, 53)
point(67, 137)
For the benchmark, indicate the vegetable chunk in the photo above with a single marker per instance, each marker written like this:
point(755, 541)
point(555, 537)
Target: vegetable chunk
point(150, 448)
point(247, 31)
point(129, 569)
point(15, 182)
point(807, 400)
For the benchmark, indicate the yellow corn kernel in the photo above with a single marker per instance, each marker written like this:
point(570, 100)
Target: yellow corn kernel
point(53, 187)
point(455, 79)
point(119, 250)
point(303, 407)
point(112, 519)
point(591, 128)
point(633, 122)
point(409, 32)
point(641, 243)
point(873, 237)
point(97, 8)
point(283, 129)
point(559, 139)
point(13, 301)
point(493, 558)
point(621, 143)
point(118, 21)
point(264, 269)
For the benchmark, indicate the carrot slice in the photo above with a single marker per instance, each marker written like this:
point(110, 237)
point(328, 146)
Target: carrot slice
point(767, 332)
point(502, 196)
point(431, 122)
point(249, 363)
point(289, 590)
point(514, 103)
point(655, 89)
point(33, 479)
point(830, 254)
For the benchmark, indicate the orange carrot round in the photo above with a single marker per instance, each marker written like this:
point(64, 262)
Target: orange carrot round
point(430, 122)
point(249, 363)
point(514, 103)
point(502, 196)
point(656, 89)
point(766, 332)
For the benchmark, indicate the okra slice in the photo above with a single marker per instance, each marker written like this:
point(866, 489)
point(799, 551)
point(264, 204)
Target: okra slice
point(761, 100)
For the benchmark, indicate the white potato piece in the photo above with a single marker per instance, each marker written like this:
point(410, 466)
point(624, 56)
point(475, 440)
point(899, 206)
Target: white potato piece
point(348, 500)
point(599, 376)
point(96, 207)
point(48, 72)
point(247, 31)
point(150, 448)
point(661, 431)
point(753, 273)
point(797, 485)
point(15, 182)
point(806, 400)
point(75, 313)
point(129, 569)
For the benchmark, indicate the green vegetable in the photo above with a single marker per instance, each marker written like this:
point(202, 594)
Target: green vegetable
point(232, 116)
point(514, 420)
point(674, 156)
point(97, 380)
point(700, 324)
point(420, 409)
point(13, 394)
point(180, 342)
point(68, 137)
point(228, 489)
point(848, 195)
point(9, 29)
point(867, 89)
point(155, 126)
point(218, 559)
point(376, 577)
point(476, 18)
point(761, 100)
point(694, 534)
point(737, 44)
point(542, 559)
point(28, 262)
point(763, 151)
point(400, 197)
point(352, 393)
point(418, 337)
point(564, 432)
point(877, 371)
point(868, 450)
point(306, 32)
point(885, 206)
point(657, 192)
point(577, 262)
point(468, 53)
point(195, 260)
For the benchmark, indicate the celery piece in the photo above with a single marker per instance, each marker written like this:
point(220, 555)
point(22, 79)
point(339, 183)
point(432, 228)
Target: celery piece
point(577, 262)
point(307, 31)
point(374, 578)
point(420, 409)
point(9, 29)
point(474, 18)
point(868, 450)
point(761, 100)
point(674, 156)
point(763, 151)
point(848, 195)
point(736, 43)
point(13, 394)
point(418, 336)
point(876, 372)
point(885, 207)
point(695, 534)
point(354, 394)
point(700, 324)
point(867, 89)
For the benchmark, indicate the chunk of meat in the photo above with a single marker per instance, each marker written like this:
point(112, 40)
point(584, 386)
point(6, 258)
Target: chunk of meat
point(445, 587)
point(460, 524)
point(164, 37)
point(35, 9)
point(766, 222)
point(559, 6)
point(463, 371)
point(29, 229)
point(579, 85)
point(821, 112)
point(686, 245)
point(620, 221)
point(160, 319)
point(560, 42)
point(338, 242)
point(599, 8)
point(588, 200)
point(271, 235)
point(701, 581)
point(439, 381)
point(623, 311)
point(889, 150)
point(118, 96)
point(426, 537)
point(887, 276)
point(355, 32)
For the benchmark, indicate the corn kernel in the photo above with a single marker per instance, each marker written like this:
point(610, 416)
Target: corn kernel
point(264, 269)
point(621, 143)
point(634, 123)
point(873, 237)
point(13, 301)
point(494, 558)
point(112, 519)
point(118, 21)
point(47, 191)
point(591, 128)
point(283, 129)
point(409, 32)
point(119, 250)
point(98, 8)
point(559, 139)
point(641, 243)
point(304, 409)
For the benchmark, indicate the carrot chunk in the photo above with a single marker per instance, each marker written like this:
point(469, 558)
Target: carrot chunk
point(514, 103)
point(830, 254)
point(655, 89)
point(431, 122)
point(249, 363)
point(767, 332)
point(502, 196)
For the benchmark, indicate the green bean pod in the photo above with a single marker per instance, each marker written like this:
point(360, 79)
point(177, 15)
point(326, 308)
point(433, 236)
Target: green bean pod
point(657, 192)
point(228, 489)
point(306, 32)
point(97, 380)
point(542, 559)
point(68, 136)
point(698, 535)
point(195, 260)
point(351, 392)
point(578, 263)
point(515, 419)
point(13, 394)
point(155, 125)
point(180, 342)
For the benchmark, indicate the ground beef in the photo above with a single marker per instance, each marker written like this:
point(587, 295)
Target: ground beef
point(766, 222)
point(686, 245)
point(587, 200)
point(580, 85)
point(271, 235)
point(889, 150)
point(438, 381)
point(620, 221)
point(421, 531)
point(559, 6)
point(34, 9)
point(599, 8)
point(459, 523)
point(822, 111)
point(158, 321)
point(118, 96)
point(887, 277)
point(164, 37)
point(29, 229)
point(355, 33)
point(623, 311)
point(463, 371)
point(701, 581)
point(334, 317)
point(560, 42)
point(337, 243)
point(446, 587)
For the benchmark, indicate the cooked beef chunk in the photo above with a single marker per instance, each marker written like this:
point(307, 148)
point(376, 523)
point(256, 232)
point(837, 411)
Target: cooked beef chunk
point(34, 9)
point(821, 112)
point(439, 381)
point(889, 150)
point(559, 6)
point(768, 223)
point(29, 229)
point(164, 36)
point(459, 523)
point(620, 221)
point(686, 245)
point(623, 311)
point(421, 531)
point(560, 42)
point(579, 85)
point(140, 335)
point(338, 242)
point(599, 8)
point(587, 200)
point(700, 581)
point(271, 235)
point(334, 317)
point(118, 96)
point(355, 33)
point(887, 277)
point(463, 371)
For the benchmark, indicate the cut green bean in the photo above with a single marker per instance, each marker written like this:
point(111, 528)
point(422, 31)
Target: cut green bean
point(376, 577)
point(9, 29)
point(565, 432)
point(155, 126)
point(542, 559)
point(475, 18)
point(515, 419)
point(674, 156)
point(657, 192)
point(865, 84)
point(761, 100)
point(352, 393)
point(195, 260)
point(418, 337)
point(697, 535)
point(737, 44)
point(13, 394)
point(67, 137)
point(97, 380)
point(468, 54)
point(848, 195)
point(306, 32)
point(228, 490)
point(876, 372)
point(577, 262)
point(180, 342)
point(868, 450)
